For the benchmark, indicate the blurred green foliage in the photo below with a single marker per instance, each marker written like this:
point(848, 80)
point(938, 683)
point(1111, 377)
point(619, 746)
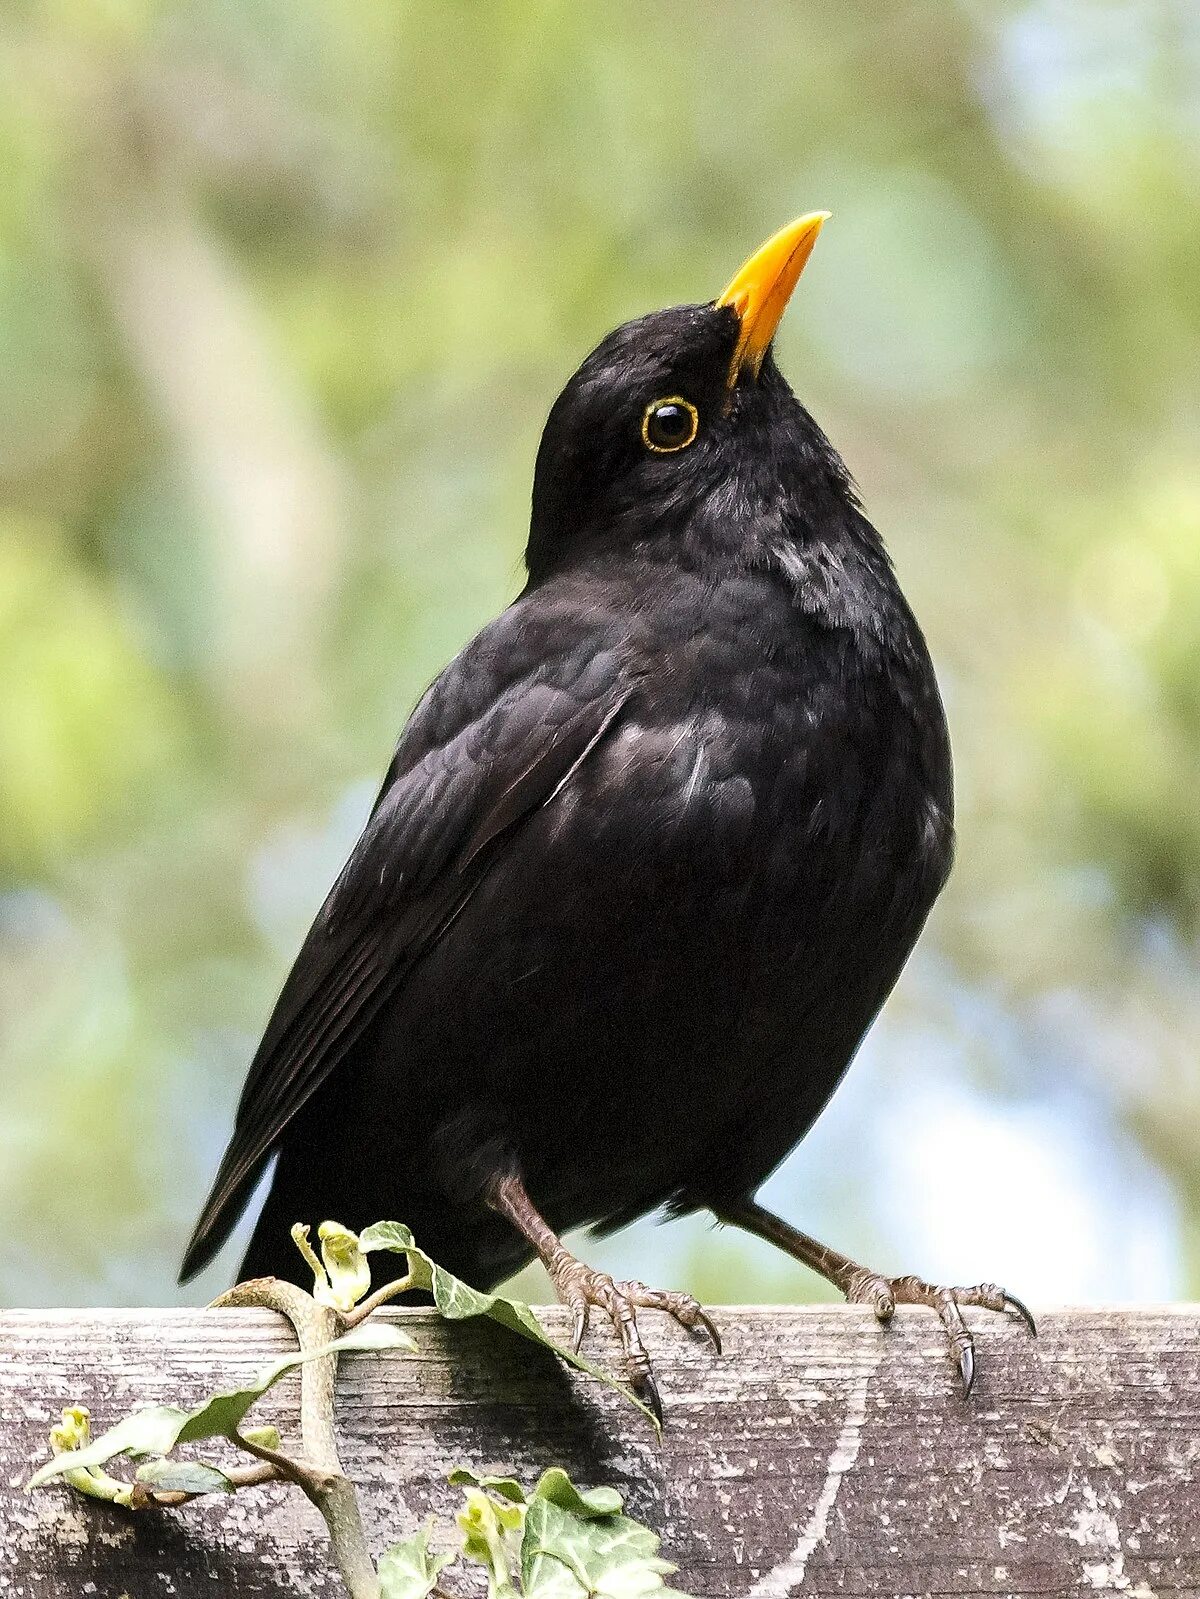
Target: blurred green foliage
point(286, 288)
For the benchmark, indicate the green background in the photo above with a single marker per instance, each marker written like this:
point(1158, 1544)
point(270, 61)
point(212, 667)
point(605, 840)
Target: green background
point(286, 289)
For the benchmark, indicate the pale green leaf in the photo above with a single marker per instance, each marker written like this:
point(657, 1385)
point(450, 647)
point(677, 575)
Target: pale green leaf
point(490, 1532)
point(347, 1266)
point(407, 1570)
point(586, 1503)
point(74, 1431)
point(574, 1542)
point(184, 1476)
point(565, 1555)
point(220, 1416)
point(265, 1437)
point(506, 1487)
point(157, 1429)
point(151, 1431)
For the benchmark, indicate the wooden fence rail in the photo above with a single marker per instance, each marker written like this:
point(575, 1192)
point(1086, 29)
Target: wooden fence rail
point(820, 1454)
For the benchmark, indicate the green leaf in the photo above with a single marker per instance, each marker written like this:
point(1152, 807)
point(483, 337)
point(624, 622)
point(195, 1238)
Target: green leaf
point(574, 1541)
point(151, 1431)
point(490, 1532)
point(458, 1301)
point(184, 1476)
point(156, 1430)
point(342, 1276)
point(407, 1570)
point(565, 1555)
point(265, 1437)
point(393, 1236)
point(348, 1268)
point(587, 1503)
point(74, 1431)
point(220, 1416)
point(506, 1487)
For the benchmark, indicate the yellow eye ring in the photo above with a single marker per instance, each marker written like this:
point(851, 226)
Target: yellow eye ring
point(669, 424)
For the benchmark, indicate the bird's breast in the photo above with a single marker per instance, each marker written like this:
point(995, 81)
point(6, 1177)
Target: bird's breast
point(762, 747)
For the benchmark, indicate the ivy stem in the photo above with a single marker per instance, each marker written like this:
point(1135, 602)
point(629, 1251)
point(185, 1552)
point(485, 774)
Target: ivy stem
point(313, 1481)
point(171, 1498)
point(319, 1474)
point(392, 1290)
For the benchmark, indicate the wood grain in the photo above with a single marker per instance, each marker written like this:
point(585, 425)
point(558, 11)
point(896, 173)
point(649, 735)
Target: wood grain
point(821, 1454)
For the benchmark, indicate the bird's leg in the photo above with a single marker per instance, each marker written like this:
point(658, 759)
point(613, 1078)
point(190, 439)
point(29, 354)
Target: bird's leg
point(862, 1286)
point(581, 1287)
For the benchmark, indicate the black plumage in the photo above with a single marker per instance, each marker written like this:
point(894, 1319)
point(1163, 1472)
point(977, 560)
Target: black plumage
point(651, 853)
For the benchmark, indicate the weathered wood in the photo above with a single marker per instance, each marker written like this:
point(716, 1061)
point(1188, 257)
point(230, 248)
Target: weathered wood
point(820, 1453)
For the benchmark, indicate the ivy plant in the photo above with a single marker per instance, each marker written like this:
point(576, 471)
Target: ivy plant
point(554, 1541)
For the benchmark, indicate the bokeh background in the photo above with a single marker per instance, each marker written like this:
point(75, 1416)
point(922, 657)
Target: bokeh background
point(286, 289)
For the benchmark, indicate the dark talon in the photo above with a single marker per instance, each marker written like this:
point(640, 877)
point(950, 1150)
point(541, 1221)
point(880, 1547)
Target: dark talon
point(579, 1327)
point(710, 1328)
point(1011, 1302)
point(966, 1365)
point(646, 1389)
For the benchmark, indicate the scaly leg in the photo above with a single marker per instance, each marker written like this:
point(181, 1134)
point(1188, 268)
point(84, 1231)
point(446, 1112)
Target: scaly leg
point(862, 1286)
point(581, 1287)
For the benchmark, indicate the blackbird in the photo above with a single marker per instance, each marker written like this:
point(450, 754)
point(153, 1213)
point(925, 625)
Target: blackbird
point(650, 854)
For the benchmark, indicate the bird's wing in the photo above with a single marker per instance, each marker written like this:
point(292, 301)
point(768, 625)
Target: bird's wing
point(477, 757)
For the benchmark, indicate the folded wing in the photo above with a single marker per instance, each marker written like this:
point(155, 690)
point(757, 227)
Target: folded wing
point(477, 757)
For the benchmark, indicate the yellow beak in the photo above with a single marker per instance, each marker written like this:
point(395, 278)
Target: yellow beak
point(762, 288)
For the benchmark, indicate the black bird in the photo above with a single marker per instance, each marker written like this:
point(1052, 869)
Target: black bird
point(649, 857)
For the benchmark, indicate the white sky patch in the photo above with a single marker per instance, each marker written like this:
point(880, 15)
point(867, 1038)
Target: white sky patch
point(1043, 1196)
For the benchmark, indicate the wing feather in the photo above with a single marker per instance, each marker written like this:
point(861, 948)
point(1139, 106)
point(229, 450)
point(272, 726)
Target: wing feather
point(440, 821)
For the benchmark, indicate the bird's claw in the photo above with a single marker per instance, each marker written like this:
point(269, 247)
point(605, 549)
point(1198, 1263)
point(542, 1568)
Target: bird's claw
point(883, 1294)
point(579, 1324)
point(711, 1328)
point(966, 1366)
point(1011, 1302)
point(581, 1288)
point(688, 1312)
point(646, 1389)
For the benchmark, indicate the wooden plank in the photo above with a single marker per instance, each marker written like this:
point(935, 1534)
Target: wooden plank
point(820, 1453)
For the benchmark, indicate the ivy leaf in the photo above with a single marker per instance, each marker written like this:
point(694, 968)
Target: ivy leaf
point(74, 1430)
point(348, 1268)
point(587, 1503)
point(507, 1487)
point(568, 1556)
point(574, 1543)
point(221, 1415)
point(490, 1532)
point(342, 1275)
point(407, 1570)
point(553, 1484)
point(268, 1436)
point(151, 1431)
point(458, 1301)
point(157, 1429)
point(184, 1476)
point(492, 1523)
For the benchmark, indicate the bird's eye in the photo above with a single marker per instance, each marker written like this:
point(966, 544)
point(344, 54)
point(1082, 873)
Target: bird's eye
point(669, 424)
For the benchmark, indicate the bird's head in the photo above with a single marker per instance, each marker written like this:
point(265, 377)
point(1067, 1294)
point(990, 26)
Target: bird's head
point(679, 434)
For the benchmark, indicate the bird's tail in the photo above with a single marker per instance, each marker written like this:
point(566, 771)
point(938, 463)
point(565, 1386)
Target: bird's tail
point(219, 1217)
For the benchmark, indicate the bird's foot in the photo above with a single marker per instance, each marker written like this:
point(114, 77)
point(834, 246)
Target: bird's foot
point(862, 1286)
point(883, 1294)
point(583, 1289)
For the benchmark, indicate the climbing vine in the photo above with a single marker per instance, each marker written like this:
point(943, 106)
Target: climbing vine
point(552, 1541)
